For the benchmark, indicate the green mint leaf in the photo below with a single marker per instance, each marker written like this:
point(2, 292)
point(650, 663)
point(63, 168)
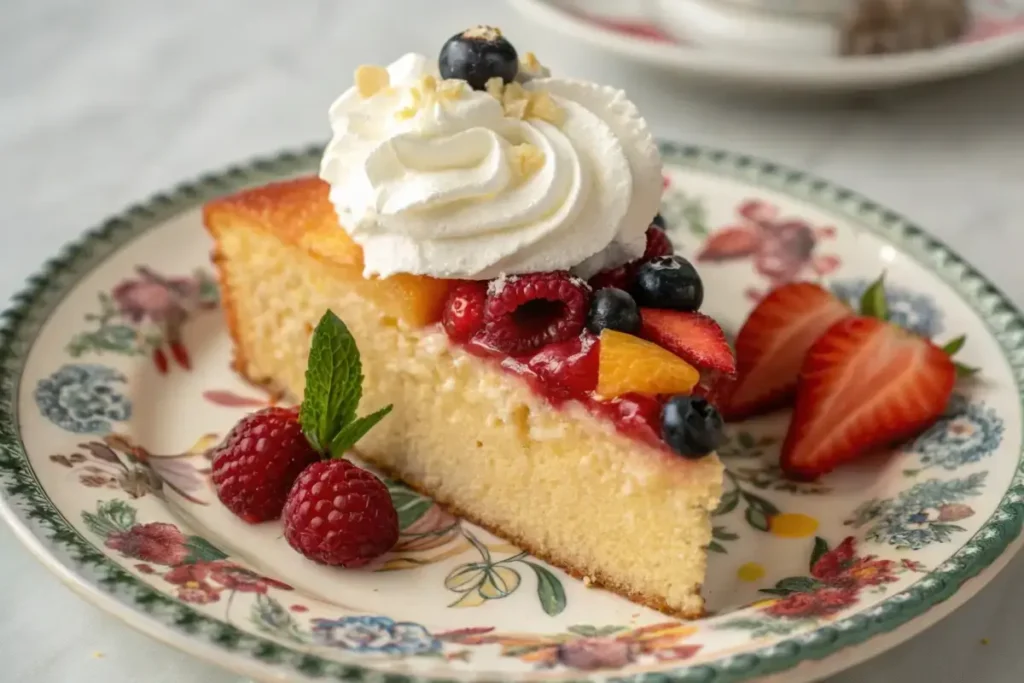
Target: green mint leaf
point(965, 371)
point(349, 435)
point(955, 345)
point(334, 382)
point(872, 302)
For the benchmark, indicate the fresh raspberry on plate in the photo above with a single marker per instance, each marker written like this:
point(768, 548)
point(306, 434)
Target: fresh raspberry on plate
point(340, 514)
point(463, 314)
point(259, 460)
point(526, 312)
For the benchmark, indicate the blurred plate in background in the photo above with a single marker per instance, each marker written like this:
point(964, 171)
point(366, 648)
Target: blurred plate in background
point(774, 44)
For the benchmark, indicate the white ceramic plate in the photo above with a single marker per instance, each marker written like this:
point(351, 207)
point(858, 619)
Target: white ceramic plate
point(708, 41)
point(115, 379)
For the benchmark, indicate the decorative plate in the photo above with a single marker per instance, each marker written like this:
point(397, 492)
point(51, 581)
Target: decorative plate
point(773, 44)
point(115, 381)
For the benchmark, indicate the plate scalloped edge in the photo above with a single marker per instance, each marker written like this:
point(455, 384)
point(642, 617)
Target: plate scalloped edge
point(44, 529)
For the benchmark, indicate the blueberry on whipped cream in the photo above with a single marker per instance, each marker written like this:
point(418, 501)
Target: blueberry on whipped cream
point(477, 55)
point(531, 173)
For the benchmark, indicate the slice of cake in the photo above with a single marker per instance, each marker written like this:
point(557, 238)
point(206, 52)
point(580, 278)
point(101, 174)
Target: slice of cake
point(452, 232)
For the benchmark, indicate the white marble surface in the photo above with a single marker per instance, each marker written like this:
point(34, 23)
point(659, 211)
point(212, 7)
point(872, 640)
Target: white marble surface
point(107, 101)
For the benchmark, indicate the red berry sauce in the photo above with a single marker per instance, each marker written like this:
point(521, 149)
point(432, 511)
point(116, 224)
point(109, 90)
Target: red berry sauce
point(567, 371)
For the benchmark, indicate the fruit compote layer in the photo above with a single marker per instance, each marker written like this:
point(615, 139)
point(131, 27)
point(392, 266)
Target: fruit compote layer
point(567, 371)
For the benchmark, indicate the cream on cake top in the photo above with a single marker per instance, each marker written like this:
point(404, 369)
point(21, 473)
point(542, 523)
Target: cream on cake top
point(433, 178)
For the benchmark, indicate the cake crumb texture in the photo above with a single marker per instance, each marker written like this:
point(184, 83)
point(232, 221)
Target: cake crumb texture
point(561, 484)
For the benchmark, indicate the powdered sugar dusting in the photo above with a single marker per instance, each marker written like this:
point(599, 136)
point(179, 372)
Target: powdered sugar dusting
point(496, 286)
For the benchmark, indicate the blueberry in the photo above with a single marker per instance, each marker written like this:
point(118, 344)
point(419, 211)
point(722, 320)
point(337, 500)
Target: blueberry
point(668, 282)
point(613, 309)
point(691, 426)
point(658, 220)
point(477, 55)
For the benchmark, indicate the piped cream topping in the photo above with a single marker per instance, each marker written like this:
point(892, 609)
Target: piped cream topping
point(433, 178)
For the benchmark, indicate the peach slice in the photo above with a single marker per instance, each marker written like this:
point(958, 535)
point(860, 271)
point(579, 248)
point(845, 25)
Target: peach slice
point(300, 212)
point(629, 364)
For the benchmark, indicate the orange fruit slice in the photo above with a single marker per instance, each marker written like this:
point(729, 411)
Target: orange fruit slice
point(628, 364)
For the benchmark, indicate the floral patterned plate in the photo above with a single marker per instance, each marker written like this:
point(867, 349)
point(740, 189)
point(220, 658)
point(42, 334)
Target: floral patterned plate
point(114, 383)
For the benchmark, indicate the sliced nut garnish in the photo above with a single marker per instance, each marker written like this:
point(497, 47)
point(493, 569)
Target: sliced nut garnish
point(488, 33)
point(531, 67)
point(543, 107)
point(520, 103)
point(371, 79)
point(495, 87)
point(527, 159)
point(451, 89)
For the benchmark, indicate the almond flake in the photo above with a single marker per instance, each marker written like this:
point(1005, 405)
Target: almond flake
point(488, 33)
point(543, 107)
point(527, 159)
point(495, 87)
point(371, 79)
point(516, 108)
point(451, 89)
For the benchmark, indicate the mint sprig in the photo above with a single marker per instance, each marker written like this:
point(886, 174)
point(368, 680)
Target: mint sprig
point(334, 386)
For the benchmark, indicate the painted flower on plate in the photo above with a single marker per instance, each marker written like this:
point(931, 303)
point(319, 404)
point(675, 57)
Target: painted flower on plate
point(921, 515)
point(192, 583)
point(375, 634)
point(971, 432)
point(589, 654)
point(164, 300)
point(156, 542)
point(83, 398)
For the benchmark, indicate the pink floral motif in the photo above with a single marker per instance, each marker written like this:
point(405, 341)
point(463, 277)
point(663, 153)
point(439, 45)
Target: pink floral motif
point(156, 542)
point(199, 570)
point(145, 315)
point(587, 648)
point(782, 249)
point(192, 584)
point(836, 580)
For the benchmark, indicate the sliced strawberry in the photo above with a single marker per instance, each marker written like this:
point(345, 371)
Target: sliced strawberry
point(864, 384)
point(772, 343)
point(694, 337)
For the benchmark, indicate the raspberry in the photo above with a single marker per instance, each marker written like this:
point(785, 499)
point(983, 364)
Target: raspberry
point(658, 244)
point(619, 278)
point(464, 310)
point(568, 369)
point(256, 464)
point(622, 277)
point(526, 312)
point(340, 514)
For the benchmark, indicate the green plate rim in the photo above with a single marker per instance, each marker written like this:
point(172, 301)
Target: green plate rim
point(38, 523)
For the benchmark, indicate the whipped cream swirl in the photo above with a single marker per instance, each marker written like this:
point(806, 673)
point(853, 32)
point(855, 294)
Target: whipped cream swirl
point(432, 178)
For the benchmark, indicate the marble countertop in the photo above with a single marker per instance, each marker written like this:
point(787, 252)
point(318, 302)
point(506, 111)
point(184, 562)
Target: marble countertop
point(103, 103)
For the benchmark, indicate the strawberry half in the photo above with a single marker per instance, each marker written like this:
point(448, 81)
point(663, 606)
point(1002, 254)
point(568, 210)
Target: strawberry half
point(694, 337)
point(697, 339)
point(864, 384)
point(772, 343)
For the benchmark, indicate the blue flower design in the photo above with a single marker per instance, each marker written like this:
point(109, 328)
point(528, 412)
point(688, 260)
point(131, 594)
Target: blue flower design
point(83, 399)
point(375, 634)
point(921, 515)
point(916, 312)
point(970, 432)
